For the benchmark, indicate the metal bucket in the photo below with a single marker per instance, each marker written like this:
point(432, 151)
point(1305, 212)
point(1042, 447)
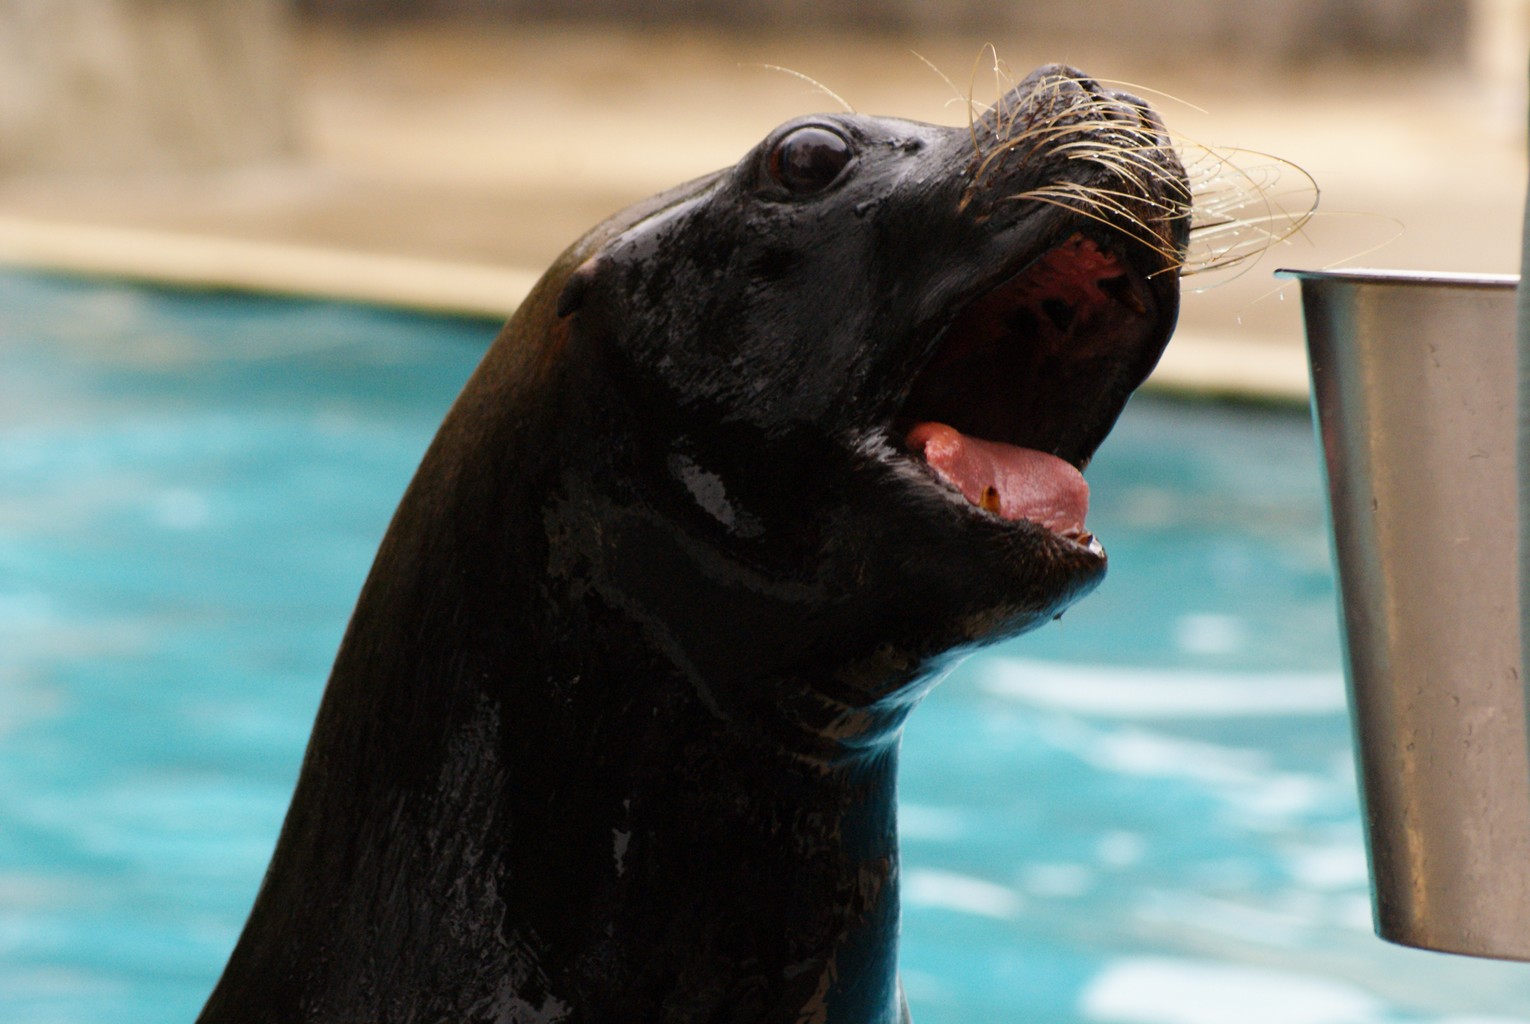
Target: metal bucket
point(1414, 391)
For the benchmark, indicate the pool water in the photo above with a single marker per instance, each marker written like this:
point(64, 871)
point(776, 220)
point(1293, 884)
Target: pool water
point(1143, 814)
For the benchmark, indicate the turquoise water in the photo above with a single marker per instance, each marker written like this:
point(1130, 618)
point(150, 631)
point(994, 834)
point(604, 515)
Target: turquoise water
point(1143, 814)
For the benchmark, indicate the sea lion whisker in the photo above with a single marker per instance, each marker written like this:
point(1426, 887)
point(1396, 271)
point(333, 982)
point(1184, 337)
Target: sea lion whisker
point(1227, 201)
point(1041, 134)
point(1263, 225)
point(810, 80)
point(1210, 167)
point(1150, 91)
point(1270, 228)
point(1245, 240)
point(1223, 187)
point(1216, 165)
point(1119, 198)
point(1128, 164)
point(1139, 152)
point(1134, 147)
point(1232, 254)
point(1015, 117)
point(1133, 167)
point(1070, 111)
point(1275, 226)
point(1004, 122)
point(1222, 194)
point(1127, 160)
point(1209, 221)
point(1231, 191)
point(972, 115)
point(1054, 128)
point(1063, 199)
point(1087, 132)
point(957, 98)
point(1004, 125)
point(1205, 224)
point(998, 104)
point(1144, 179)
point(1001, 76)
point(939, 73)
point(1399, 229)
point(1244, 261)
point(1231, 248)
point(1130, 204)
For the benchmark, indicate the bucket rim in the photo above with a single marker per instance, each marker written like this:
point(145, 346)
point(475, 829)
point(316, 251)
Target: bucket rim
point(1366, 275)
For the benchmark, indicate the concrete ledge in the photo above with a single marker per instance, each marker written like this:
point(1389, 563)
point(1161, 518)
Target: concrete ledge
point(1261, 371)
point(1192, 364)
point(193, 261)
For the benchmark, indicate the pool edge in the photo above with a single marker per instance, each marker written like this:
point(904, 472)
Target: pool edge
point(218, 263)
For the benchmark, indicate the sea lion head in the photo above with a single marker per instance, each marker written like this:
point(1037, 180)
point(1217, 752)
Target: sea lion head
point(854, 380)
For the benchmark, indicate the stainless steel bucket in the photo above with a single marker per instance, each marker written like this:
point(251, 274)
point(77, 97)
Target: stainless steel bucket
point(1414, 392)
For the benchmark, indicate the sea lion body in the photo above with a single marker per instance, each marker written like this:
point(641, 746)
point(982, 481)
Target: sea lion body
point(612, 735)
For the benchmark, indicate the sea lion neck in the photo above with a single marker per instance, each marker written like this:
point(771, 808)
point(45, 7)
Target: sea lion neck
point(545, 687)
point(658, 825)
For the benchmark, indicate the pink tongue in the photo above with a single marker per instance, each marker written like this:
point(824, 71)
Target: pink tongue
point(1015, 483)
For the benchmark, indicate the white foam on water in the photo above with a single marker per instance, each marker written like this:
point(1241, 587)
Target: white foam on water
point(1210, 633)
point(1120, 849)
point(1286, 795)
point(1140, 752)
point(1330, 867)
point(931, 823)
point(1109, 691)
point(924, 986)
point(180, 508)
point(1354, 912)
point(1244, 778)
point(1291, 926)
point(1057, 881)
point(948, 890)
point(1163, 990)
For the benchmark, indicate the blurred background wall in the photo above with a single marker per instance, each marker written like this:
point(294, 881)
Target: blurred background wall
point(1292, 30)
point(143, 84)
point(129, 85)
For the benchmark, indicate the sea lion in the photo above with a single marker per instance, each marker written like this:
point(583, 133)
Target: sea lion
point(612, 734)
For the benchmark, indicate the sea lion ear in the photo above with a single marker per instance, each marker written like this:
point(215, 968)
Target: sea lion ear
point(577, 286)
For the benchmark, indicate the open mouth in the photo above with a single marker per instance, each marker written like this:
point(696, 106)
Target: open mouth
point(1026, 381)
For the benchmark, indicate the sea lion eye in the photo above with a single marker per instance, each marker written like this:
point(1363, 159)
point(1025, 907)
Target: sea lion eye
point(809, 159)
